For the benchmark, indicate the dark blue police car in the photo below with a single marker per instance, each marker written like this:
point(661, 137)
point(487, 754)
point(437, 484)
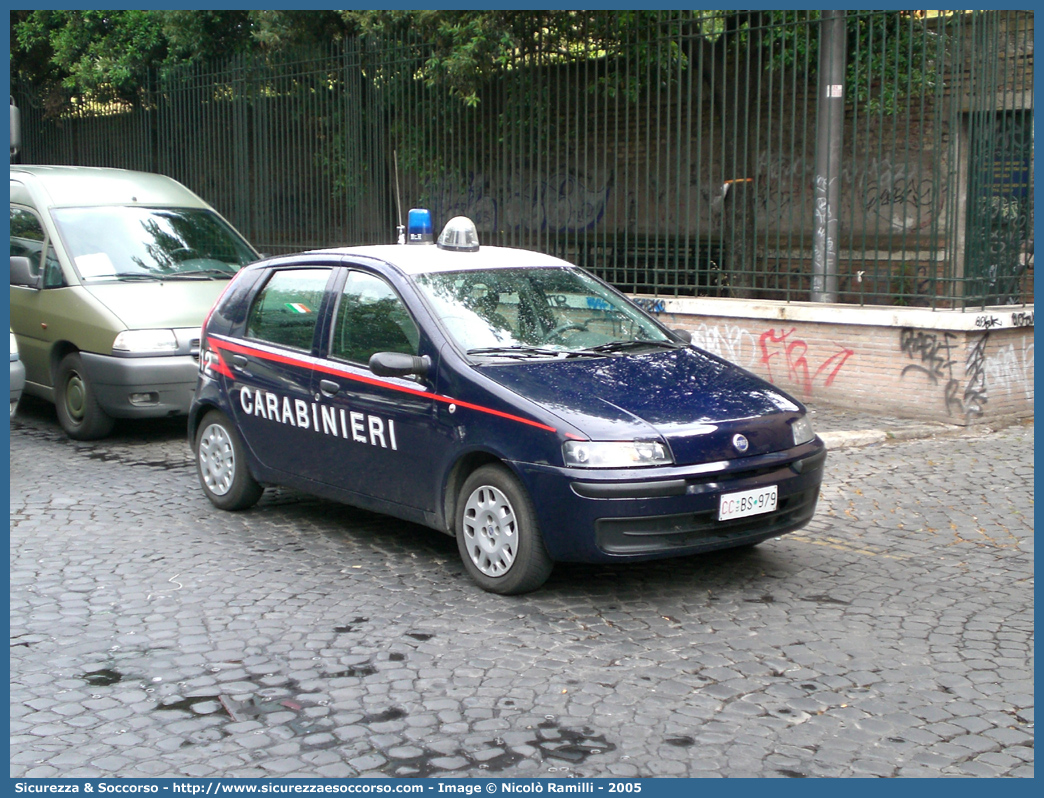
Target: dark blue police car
point(499, 395)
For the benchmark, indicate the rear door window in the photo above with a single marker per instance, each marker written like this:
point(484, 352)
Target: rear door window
point(286, 310)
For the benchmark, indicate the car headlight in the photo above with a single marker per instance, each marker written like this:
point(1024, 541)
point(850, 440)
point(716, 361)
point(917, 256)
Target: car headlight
point(145, 342)
point(615, 454)
point(802, 429)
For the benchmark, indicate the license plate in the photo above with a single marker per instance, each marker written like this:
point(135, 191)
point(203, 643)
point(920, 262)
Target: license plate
point(748, 502)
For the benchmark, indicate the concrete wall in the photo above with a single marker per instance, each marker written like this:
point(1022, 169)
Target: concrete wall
point(959, 368)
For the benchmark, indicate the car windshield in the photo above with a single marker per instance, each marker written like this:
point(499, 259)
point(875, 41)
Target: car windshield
point(536, 312)
point(132, 243)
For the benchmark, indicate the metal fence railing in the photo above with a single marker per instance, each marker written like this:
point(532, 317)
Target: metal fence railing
point(674, 157)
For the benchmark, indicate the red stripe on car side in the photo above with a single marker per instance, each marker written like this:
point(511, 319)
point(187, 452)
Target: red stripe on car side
point(220, 343)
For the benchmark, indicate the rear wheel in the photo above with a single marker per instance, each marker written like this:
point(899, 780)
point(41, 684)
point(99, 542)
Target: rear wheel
point(221, 464)
point(497, 533)
point(78, 410)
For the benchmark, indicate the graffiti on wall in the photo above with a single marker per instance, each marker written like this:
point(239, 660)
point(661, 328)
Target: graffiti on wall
point(906, 196)
point(1022, 319)
point(567, 200)
point(898, 194)
point(975, 394)
point(787, 357)
point(733, 343)
point(476, 200)
point(781, 354)
point(931, 354)
point(1011, 369)
point(650, 305)
point(987, 321)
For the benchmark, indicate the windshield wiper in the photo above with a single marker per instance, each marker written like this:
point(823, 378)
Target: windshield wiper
point(531, 351)
point(198, 274)
point(619, 346)
point(130, 278)
point(517, 351)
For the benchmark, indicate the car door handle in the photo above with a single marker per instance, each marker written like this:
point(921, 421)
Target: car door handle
point(329, 387)
point(239, 362)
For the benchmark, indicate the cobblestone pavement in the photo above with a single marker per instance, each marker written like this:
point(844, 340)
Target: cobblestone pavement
point(152, 635)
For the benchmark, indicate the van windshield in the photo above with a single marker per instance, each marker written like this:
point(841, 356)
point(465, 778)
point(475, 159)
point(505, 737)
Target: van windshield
point(132, 243)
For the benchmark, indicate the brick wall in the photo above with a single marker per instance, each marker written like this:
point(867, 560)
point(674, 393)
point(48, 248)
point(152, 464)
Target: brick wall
point(960, 368)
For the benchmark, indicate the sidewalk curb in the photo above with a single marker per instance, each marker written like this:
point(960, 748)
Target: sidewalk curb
point(868, 437)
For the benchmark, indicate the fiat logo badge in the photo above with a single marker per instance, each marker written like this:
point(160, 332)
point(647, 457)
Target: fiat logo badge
point(741, 443)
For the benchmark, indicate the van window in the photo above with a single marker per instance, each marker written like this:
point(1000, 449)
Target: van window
point(28, 240)
point(287, 309)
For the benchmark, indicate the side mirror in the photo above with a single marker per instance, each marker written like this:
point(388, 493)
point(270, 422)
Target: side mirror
point(397, 364)
point(22, 272)
point(683, 335)
point(16, 129)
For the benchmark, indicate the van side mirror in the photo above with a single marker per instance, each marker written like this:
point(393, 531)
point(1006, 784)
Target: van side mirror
point(397, 364)
point(16, 129)
point(22, 272)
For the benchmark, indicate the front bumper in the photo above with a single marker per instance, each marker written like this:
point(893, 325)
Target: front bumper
point(142, 387)
point(17, 383)
point(608, 516)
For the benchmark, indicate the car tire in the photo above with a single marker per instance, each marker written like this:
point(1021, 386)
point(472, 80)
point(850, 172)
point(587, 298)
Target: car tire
point(79, 413)
point(497, 533)
point(221, 464)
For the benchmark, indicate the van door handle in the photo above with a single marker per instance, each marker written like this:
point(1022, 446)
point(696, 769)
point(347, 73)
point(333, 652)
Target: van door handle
point(329, 387)
point(239, 362)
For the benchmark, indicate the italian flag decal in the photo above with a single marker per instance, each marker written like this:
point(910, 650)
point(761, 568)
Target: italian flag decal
point(297, 307)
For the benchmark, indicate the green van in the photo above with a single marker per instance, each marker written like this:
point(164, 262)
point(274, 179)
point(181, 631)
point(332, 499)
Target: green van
point(112, 274)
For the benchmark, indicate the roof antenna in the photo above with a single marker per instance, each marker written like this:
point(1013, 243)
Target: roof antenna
point(400, 228)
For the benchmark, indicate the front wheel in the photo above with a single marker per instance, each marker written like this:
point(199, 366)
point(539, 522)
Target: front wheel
point(79, 413)
point(221, 464)
point(497, 534)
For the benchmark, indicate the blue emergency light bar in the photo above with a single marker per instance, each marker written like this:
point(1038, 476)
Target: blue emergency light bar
point(418, 227)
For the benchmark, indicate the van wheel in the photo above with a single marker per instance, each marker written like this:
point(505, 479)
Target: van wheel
point(78, 410)
point(221, 465)
point(497, 533)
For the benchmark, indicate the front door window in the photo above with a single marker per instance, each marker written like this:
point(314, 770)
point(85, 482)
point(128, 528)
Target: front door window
point(28, 240)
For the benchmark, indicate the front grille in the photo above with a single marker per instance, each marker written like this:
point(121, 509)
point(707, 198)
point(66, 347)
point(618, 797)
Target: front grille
point(799, 465)
point(702, 531)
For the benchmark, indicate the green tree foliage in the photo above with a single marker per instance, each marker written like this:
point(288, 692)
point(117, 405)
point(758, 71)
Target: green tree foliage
point(464, 50)
point(892, 55)
point(110, 56)
point(107, 54)
point(478, 59)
